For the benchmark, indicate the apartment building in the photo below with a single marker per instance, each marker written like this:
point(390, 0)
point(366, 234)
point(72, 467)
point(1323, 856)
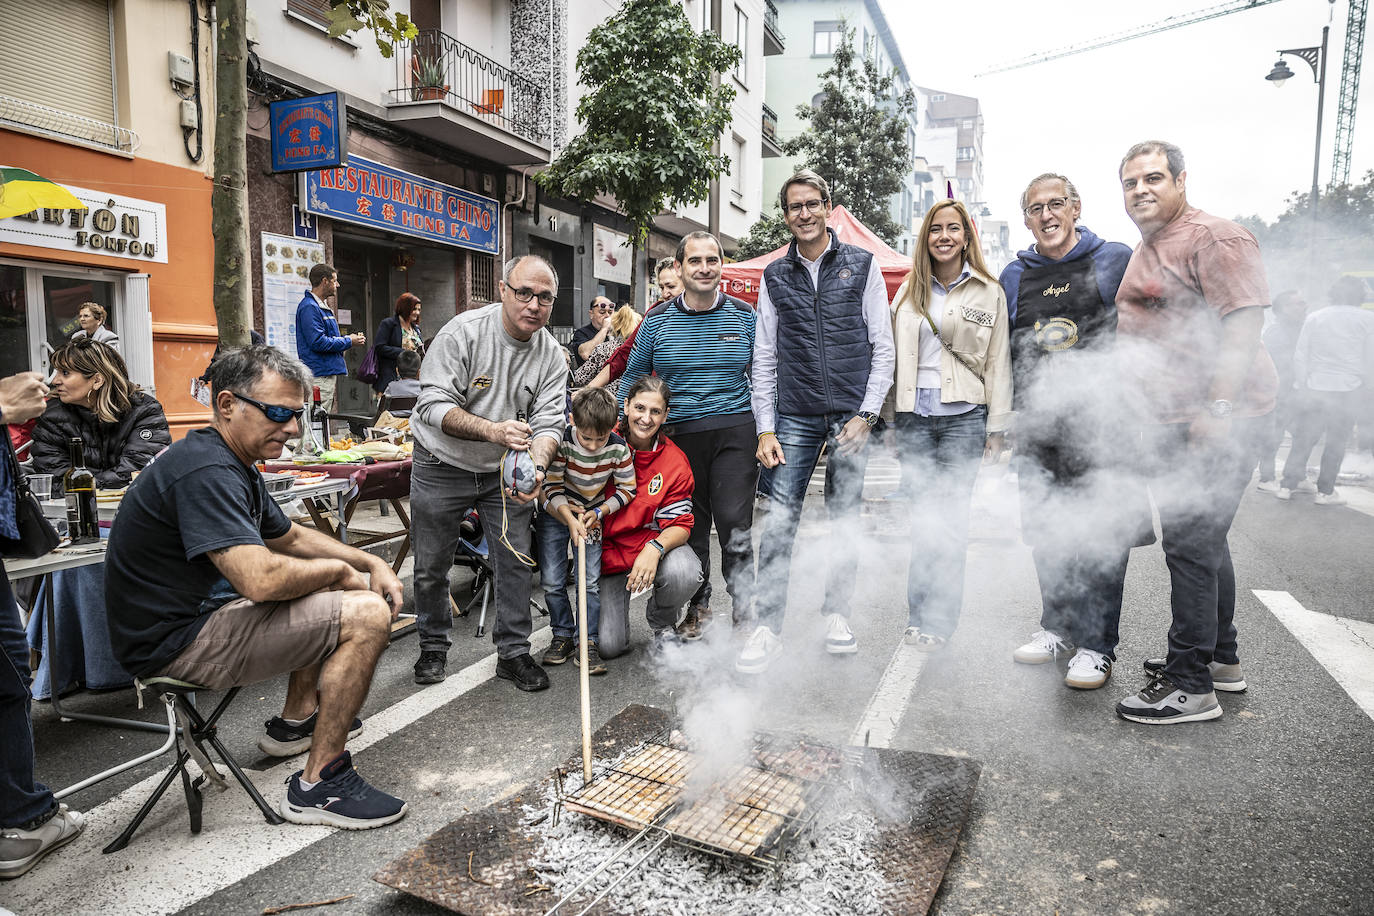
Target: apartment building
point(951, 132)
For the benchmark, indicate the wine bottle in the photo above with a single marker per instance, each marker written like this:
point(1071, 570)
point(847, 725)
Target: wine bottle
point(83, 523)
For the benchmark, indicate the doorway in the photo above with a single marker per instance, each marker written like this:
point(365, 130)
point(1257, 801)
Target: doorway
point(362, 291)
point(565, 309)
point(39, 304)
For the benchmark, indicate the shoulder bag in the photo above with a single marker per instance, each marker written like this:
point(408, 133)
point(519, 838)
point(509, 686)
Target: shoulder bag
point(36, 534)
point(944, 343)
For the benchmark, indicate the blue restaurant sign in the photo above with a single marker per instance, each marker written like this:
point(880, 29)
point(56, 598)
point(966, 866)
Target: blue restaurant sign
point(376, 195)
point(309, 133)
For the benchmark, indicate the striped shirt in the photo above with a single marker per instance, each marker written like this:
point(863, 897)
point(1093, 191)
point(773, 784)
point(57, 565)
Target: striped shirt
point(703, 356)
point(579, 478)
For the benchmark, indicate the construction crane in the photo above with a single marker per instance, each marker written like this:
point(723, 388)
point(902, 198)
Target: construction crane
point(1350, 65)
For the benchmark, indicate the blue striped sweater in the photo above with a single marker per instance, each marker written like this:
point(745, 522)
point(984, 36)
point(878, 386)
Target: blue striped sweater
point(703, 356)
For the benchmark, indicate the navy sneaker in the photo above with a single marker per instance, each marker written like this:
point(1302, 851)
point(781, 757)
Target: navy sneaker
point(286, 740)
point(341, 798)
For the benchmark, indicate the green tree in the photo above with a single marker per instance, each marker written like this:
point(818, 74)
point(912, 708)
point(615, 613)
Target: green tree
point(229, 199)
point(1307, 249)
point(652, 111)
point(856, 140)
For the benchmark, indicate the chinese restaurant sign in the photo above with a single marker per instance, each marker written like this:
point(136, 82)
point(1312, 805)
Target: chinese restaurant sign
point(376, 195)
point(309, 133)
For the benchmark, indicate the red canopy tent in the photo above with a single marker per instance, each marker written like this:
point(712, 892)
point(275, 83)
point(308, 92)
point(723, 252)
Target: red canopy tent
point(742, 278)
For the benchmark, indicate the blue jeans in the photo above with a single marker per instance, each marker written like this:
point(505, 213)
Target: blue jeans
point(551, 541)
point(940, 458)
point(24, 802)
point(801, 439)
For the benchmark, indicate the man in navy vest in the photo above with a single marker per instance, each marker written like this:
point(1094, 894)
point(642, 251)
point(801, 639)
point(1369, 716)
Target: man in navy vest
point(823, 361)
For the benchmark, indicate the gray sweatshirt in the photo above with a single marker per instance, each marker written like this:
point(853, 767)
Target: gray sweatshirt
point(474, 364)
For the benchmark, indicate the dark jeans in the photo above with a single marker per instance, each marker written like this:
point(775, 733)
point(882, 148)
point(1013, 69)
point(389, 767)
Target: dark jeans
point(1271, 436)
point(1197, 490)
point(1329, 413)
point(440, 495)
point(552, 537)
point(801, 439)
point(24, 802)
point(725, 471)
point(940, 458)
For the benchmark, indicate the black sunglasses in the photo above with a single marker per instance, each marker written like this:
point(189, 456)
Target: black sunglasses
point(274, 412)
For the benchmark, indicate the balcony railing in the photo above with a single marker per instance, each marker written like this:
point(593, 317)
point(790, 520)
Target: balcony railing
point(770, 125)
point(66, 126)
point(771, 30)
point(436, 66)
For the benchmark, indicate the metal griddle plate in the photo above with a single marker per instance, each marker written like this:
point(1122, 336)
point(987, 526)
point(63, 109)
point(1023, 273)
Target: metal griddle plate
point(927, 801)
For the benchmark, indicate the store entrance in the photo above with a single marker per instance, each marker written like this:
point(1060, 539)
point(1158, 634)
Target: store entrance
point(38, 309)
point(361, 297)
point(561, 257)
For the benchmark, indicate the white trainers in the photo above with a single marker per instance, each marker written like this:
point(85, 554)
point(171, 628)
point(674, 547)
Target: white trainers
point(1329, 499)
point(1306, 486)
point(839, 639)
point(1044, 646)
point(1267, 486)
point(20, 850)
point(911, 635)
point(1088, 670)
point(1283, 493)
point(758, 652)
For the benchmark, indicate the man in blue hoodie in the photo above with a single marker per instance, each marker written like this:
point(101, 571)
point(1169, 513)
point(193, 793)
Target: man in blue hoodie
point(1061, 300)
point(319, 343)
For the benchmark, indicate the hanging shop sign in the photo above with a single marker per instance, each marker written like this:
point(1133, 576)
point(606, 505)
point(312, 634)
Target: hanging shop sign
point(309, 133)
point(376, 195)
point(614, 255)
point(112, 225)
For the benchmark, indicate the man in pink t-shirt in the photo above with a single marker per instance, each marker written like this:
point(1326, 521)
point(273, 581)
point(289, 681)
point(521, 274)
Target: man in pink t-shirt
point(1190, 309)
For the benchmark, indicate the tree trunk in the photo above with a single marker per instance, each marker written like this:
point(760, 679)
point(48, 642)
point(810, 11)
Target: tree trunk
point(229, 200)
point(634, 267)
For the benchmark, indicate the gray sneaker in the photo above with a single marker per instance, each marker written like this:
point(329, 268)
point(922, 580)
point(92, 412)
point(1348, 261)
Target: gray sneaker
point(1226, 678)
point(1161, 703)
point(20, 850)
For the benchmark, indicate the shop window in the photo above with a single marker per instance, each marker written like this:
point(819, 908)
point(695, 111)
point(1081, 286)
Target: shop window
point(14, 319)
point(482, 278)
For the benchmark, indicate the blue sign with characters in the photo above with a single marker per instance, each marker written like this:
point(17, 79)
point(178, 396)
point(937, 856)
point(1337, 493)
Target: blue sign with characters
point(376, 195)
point(309, 133)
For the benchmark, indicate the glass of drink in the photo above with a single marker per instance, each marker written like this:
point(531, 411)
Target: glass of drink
point(41, 485)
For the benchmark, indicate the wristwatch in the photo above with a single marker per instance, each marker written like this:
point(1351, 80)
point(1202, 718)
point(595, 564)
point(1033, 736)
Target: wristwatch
point(661, 549)
point(868, 417)
point(1220, 408)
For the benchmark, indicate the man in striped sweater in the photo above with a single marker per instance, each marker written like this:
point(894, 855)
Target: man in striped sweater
point(590, 460)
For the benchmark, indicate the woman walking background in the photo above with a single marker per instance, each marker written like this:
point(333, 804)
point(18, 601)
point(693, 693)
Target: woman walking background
point(952, 400)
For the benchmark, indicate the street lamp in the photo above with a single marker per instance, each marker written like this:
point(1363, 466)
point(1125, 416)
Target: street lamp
point(1316, 59)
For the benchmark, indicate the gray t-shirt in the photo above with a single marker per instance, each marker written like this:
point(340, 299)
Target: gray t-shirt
point(474, 364)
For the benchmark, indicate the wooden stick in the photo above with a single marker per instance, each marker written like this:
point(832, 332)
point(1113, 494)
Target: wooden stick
point(585, 679)
point(273, 910)
point(473, 878)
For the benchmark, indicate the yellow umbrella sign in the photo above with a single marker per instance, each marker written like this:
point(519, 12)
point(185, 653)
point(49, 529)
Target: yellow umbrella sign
point(21, 191)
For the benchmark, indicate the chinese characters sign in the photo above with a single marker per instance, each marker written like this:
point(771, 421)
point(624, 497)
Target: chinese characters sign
point(386, 198)
point(309, 133)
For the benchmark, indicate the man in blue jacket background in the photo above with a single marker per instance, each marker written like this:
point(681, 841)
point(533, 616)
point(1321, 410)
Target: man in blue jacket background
point(318, 341)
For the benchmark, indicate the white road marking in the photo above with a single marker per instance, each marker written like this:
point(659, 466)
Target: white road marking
point(1357, 498)
point(1344, 647)
point(165, 868)
point(886, 709)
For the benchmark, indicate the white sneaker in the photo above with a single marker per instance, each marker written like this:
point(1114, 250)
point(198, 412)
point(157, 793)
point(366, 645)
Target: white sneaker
point(1306, 486)
point(839, 640)
point(1329, 499)
point(20, 850)
point(911, 635)
point(1044, 646)
point(1267, 486)
point(758, 652)
point(1283, 493)
point(1088, 670)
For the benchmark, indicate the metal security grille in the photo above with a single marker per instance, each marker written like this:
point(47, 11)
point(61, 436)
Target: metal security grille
point(481, 279)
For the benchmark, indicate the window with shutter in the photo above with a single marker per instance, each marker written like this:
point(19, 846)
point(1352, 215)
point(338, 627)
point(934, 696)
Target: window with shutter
point(317, 11)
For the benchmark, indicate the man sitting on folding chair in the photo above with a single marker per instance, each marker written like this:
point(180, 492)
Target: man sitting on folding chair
point(208, 582)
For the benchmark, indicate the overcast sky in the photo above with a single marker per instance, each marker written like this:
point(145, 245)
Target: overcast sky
point(1248, 145)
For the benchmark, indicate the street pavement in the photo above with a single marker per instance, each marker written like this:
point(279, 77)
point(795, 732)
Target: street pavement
point(1266, 810)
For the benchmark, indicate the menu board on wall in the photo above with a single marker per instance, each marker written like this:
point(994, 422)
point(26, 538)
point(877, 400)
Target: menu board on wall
point(286, 264)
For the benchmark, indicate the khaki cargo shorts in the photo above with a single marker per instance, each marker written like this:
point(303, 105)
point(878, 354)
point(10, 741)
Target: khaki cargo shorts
point(243, 642)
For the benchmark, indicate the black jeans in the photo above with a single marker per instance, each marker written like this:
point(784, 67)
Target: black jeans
point(24, 802)
point(725, 473)
point(1197, 490)
point(1329, 413)
point(1271, 436)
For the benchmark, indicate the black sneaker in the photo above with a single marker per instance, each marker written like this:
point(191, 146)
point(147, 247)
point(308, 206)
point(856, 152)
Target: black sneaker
point(1162, 703)
point(560, 650)
point(1227, 678)
point(341, 798)
point(286, 740)
point(523, 672)
point(430, 668)
point(594, 663)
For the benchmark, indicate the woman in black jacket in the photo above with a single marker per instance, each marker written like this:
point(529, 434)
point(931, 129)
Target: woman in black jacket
point(395, 333)
point(121, 428)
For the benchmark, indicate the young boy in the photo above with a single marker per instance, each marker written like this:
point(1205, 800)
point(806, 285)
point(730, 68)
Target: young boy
point(590, 460)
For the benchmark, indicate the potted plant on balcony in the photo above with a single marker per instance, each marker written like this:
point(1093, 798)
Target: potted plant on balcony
point(427, 79)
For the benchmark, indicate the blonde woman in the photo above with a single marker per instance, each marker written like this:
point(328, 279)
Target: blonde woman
point(92, 317)
point(951, 400)
point(623, 323)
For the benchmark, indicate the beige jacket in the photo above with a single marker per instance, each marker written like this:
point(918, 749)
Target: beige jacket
point(975, 324)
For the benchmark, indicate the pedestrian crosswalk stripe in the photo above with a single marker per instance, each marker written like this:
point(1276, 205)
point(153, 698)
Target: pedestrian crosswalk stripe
point(1344, 647)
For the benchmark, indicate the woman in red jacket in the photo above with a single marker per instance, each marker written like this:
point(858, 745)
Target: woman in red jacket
point(644, 544)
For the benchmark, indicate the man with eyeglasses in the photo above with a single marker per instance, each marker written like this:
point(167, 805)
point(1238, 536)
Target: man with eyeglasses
point(823, 362)
point(483, 369)
point(1190, 309)
point(208, 582)
point(590, 336)
point(1061, 301)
